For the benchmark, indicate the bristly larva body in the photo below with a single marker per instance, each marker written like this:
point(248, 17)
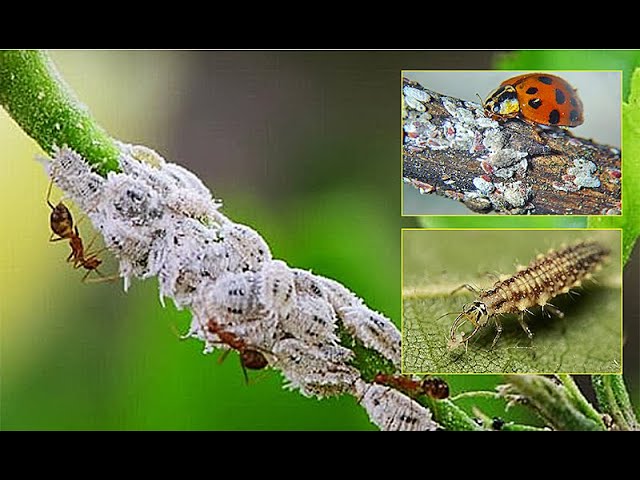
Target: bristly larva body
point(546, 277)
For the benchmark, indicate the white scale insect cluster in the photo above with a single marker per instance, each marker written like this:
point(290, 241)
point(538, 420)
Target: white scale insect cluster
point(471, 132)
point(160, 220)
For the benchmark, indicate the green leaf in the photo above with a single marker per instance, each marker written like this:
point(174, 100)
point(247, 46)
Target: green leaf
point(587, 340)
point(630, 220)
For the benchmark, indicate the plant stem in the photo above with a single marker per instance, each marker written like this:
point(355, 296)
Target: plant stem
point(449, 415)
point(479, 394)
point(614, 400)
point(552, 402)
point(581, 402)
point(37, 98)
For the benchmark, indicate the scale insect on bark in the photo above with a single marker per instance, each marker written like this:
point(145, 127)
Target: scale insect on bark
point(546, 277)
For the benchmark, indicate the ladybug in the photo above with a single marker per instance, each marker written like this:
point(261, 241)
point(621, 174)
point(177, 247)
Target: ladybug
point(536, 98)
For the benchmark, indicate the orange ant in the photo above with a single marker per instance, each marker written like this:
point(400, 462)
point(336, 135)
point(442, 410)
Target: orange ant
point(250, 358)
point(431, 387)
point(61, 222)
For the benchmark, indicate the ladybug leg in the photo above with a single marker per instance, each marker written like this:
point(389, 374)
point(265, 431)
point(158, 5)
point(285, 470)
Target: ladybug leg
point(535, 129)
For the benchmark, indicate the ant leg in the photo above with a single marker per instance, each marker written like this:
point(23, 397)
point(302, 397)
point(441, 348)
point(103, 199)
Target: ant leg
point(101, 279)
point(82, 217)
point(471, 288)
point(89, 253)
point(53, 238)
point(524, 325)
point(244, 370)
point(498, 331)
point(49, 195)
point(95, 235)
point(224, 356)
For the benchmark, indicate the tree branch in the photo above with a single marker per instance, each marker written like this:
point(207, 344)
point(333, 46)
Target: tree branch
point(452, 149)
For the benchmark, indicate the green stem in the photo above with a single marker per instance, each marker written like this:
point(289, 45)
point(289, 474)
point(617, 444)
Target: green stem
point(449, 415)
point(37, 98)
point(613, 398)
point(488, 423)
point(551, 402)
point(516, 427)
point(478, 394)
point(579, 400)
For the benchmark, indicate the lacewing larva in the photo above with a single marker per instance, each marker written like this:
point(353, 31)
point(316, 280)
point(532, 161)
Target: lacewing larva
point(546, 277)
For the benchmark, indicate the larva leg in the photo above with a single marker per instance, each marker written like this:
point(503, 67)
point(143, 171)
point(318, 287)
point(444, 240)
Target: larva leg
point(524, 325)
point(471, 288)
point(498, 331)
point(555, 310)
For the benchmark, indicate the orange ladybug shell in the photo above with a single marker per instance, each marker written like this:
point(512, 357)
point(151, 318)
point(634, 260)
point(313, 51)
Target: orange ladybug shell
point(547, 99)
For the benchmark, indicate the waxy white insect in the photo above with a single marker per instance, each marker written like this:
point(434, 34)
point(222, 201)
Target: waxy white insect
point(159, 219)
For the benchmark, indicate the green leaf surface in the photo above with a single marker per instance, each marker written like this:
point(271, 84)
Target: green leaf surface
point(587, 340)
point(630, 220)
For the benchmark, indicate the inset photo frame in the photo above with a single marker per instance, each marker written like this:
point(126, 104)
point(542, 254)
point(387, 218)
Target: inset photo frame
point(511, 301)
point(511, 142)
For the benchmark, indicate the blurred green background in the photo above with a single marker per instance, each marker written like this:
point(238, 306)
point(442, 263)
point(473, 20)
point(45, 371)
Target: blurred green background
point(302, 146)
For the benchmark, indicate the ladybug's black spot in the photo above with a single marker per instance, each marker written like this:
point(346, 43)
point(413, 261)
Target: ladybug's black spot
point(535, 102)
point(560, 98)
point(573, 102)
point(573, 116)
point(545, 80)
point(554, 117)
point(532, 90)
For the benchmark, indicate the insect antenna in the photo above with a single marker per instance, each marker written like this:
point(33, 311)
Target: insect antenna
point(472, 288)
point(445, 314)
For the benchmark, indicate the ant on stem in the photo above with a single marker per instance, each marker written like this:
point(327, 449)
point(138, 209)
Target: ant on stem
point(250, 358)
point(432, 387)
point(61, 222)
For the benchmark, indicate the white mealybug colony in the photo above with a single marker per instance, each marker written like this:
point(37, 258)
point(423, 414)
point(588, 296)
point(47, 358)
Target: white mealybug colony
point(389, 410)
point(160, 220)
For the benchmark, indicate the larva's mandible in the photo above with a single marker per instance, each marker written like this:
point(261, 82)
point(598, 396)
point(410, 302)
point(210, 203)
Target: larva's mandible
point(546, 277)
